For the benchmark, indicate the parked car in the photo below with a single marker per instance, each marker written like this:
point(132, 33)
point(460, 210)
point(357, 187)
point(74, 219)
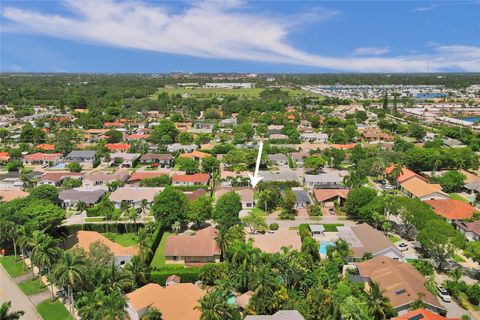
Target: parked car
point(403, 246)
point(389, 187)
point(443, 294)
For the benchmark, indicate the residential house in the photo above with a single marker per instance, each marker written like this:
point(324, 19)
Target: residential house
point(69, 198)
point(471, 230)
point(400, 282)
point(190, 180)
point(195, 155)
point(327, 197)
point(102, 179)
point(165, 160)
point(284, 175)
point(246, 195)
point(84, 239)
point(418, 188)
point(45, 147)
point(453, 143)
point(118, 147)
point(274, 243)
point(452, 210)
point(175, 302)
point(138, 177)
point(4, 157)
point(302, 198)
point(423, 314)
point(94, 135)
point(363, 239)
point(11, 181)
point(376, 135)
point(42, 158)
point(404, 174)
point(278, 159)
point(124, 160)
point(275, 129)
point(298, 157)
point(134, 195)
point(56, 178)
point(323, 180)
point(279, 315)
point(81, 156)
point(137, 136)
point(193, 249)
point(177, 147)
point(229, 122)
point(192, 195)
point(9, 195)
point(278, 136)
point(315, 137)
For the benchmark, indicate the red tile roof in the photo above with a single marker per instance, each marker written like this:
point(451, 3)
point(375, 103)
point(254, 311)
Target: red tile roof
point(198, 177)
point(405, 174)
point(118, 146)
point(427, 315)
point(4, 156)
point(452, 209)
point(42, 156)
point(113, 124)
point(195, 154)
point(322, 195)
point(45, 146)
point(343, 146)
point(137, 136)
point(139, 176)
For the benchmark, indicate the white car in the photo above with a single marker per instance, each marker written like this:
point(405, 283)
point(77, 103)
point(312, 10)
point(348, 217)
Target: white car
point(443, 294)
point(403, 246)
point(389, 187)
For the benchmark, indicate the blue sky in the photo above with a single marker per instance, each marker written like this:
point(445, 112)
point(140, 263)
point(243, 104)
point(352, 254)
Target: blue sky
point(239, 36)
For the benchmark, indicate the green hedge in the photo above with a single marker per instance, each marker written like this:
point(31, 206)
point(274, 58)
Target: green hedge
point(185, 274)
point(101, 227)
point(156, 238)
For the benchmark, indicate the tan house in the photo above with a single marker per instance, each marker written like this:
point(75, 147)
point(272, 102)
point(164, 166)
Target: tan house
point(419, 188)
point(193, 250)
point(246, 195)
point(400, 282)
point(175, 302)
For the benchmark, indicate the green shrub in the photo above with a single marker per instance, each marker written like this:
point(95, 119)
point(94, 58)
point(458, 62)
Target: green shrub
point(304, 230)
point(315, 211)
point(273, 226)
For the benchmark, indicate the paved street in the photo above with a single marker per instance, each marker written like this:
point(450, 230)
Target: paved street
point(9, 291)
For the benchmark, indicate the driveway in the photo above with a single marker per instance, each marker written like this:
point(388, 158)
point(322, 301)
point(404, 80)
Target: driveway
point(9, 291)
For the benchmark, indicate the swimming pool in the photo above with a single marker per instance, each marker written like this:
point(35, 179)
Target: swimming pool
point(324, 245)
point(232, 299)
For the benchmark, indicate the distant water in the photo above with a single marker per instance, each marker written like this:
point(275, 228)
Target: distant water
point(431, 95)
point(471, 119)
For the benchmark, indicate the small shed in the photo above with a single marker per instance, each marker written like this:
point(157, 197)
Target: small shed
point(172, 280)
point(317, 229)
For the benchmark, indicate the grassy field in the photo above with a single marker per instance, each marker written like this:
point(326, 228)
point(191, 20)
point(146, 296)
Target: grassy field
point(125, 239)
point(394, 238)
point(158, 259)
point(332, 227)
point(94, 219)
point(30, 287)
point(455, 196)
point(14, 268)
point(204, 92)
point(53, 310)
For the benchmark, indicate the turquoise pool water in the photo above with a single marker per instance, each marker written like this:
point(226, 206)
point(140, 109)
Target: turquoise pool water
point(231, 300)
point(324, 245)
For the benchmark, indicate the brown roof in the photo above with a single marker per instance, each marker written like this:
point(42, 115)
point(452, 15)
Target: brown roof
point(401, 282)
point(201, 244)
point(365, 239)
point(120, 175)
point(59, 176)
point(245, 193)
point(419, 188)
point(192, 195)
point(85, 238)
point(272, 243)
point(156, 156)
point(175, 302)
point(322, 195)
point(452, 209)
point(469, 177)
point(404, 175)
point(197, 177)
point(9, 195)
point(139, 176)
point(134, 194)
point(470, 226)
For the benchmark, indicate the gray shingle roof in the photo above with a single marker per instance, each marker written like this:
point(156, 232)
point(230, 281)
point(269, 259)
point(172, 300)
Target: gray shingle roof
point(81, 154)
point(89, 197)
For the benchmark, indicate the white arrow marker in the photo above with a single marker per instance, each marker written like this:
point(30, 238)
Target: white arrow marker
point(255, 178)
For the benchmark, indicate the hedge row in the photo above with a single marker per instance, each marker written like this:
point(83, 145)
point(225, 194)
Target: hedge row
point(185, 274)
point(101, 227)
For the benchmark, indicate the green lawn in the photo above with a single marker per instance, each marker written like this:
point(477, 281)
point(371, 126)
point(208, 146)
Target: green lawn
point(332, 227)
point(125, 239)
point(455, 196)
point(94, 219)
point(204, 92)
point(457, 258)
point(158, 259)
point(30, 287)
point(14, 268)
point(53, 310)
point(394, 238)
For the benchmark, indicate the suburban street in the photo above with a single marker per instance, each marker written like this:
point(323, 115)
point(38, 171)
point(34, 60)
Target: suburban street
point(9, 291)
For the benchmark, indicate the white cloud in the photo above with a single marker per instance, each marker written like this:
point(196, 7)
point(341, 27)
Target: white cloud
point(425, 8)
point(370, 51)
point(221, 30)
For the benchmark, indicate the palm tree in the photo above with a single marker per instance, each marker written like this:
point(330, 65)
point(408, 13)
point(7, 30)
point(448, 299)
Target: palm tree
point(214, 306)
point(116, 279)
point(90, 304)
point(138, 271)
point(69, 273)
point(144, 243)
point(143, 205)
point(8, 231)
point(396, 172)
point(377, 302)
point(5, 315)
point(81, 206)
point(456, 274)
point(113, 307)
point(23, 242)
point(152, 314)
point(132, 213)
point(45, 254)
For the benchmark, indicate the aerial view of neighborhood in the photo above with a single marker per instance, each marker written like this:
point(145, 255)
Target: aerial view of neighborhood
point(239, 160)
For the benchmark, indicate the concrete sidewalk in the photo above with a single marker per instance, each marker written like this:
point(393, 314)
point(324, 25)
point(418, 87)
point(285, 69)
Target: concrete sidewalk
point(9, 291)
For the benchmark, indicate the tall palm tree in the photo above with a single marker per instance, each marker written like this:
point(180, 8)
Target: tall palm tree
point(133, 214)
point(456, 274)
point(396, 172)
point(214, 306)
point(70, 273)
point(90, 304)
point(113, 307)
point(138, 270)
point(8, 231)
point(144, 238)
point(23, 243)
point(377, 302)
point(6, 315)
point(143, 205)
point(45, 255)
point(116, 279)
point(81, 206)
